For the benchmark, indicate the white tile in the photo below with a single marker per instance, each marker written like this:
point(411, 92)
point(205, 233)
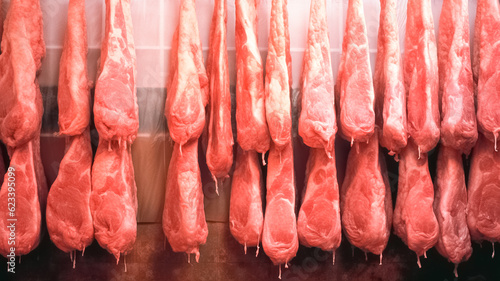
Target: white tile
point(94, 12)
point(146, 20)
point(151, 72)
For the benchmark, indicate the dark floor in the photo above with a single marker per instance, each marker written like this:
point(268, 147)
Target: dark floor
point(222, 258)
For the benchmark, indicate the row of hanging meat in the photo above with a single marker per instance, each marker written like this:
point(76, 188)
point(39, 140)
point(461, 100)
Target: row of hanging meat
point(407, 105)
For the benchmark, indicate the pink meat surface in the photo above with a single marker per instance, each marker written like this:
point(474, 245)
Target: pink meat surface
point(279, 237)
point(483, 210)
point(366, 204)
point(319, 216)
point(183, 215)
point(317, 123)
point(486, 67)
point(354, 89)
point(246, 218)
point(2, 167)
point(1, 21)
point(414, 219)
point(421, 76)
point(69, 220)
point(390, 93)
point(220, 133)
point(20, 121)
point(41, 180)
point(22, 50)
point(279, 77)
point(73, 91)
point(113, 201)
point(187, 84)
point(32, 14)
point(450, 207)
point(26, 208)
point(458, 114)
point(32, 23)
point(252, 130)
point(115, 102)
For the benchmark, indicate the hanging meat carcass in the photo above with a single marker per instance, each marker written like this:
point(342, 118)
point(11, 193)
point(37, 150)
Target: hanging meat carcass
point(113, 201)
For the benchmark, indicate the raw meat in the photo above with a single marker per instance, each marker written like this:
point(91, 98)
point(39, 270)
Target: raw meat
point(187, 84)
point(32, 22)
point(390, 93)
point(354, 89)
point(252, 130)
point(69, 220)
point(1, 22)
point(414, 219)
point(245, 209)
point(279, 236)
point(26, 212)
point(20, 120)
point(317, 124)
point(31, 25)
point(220, 133)
point(115, 102)
point(287, 44)
point(113, 200)
point(450, 206)
point(421, 76)
point(278, 77)
point(2, 167)
point(183, 215)
point(21, 109)
point(483, 210)
point(319, 217)
point(486, 67)
point(73, 90)
point(475, 45)
point(41, 180)
point(34, 29)
point(366, 204)
point(458, 114)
